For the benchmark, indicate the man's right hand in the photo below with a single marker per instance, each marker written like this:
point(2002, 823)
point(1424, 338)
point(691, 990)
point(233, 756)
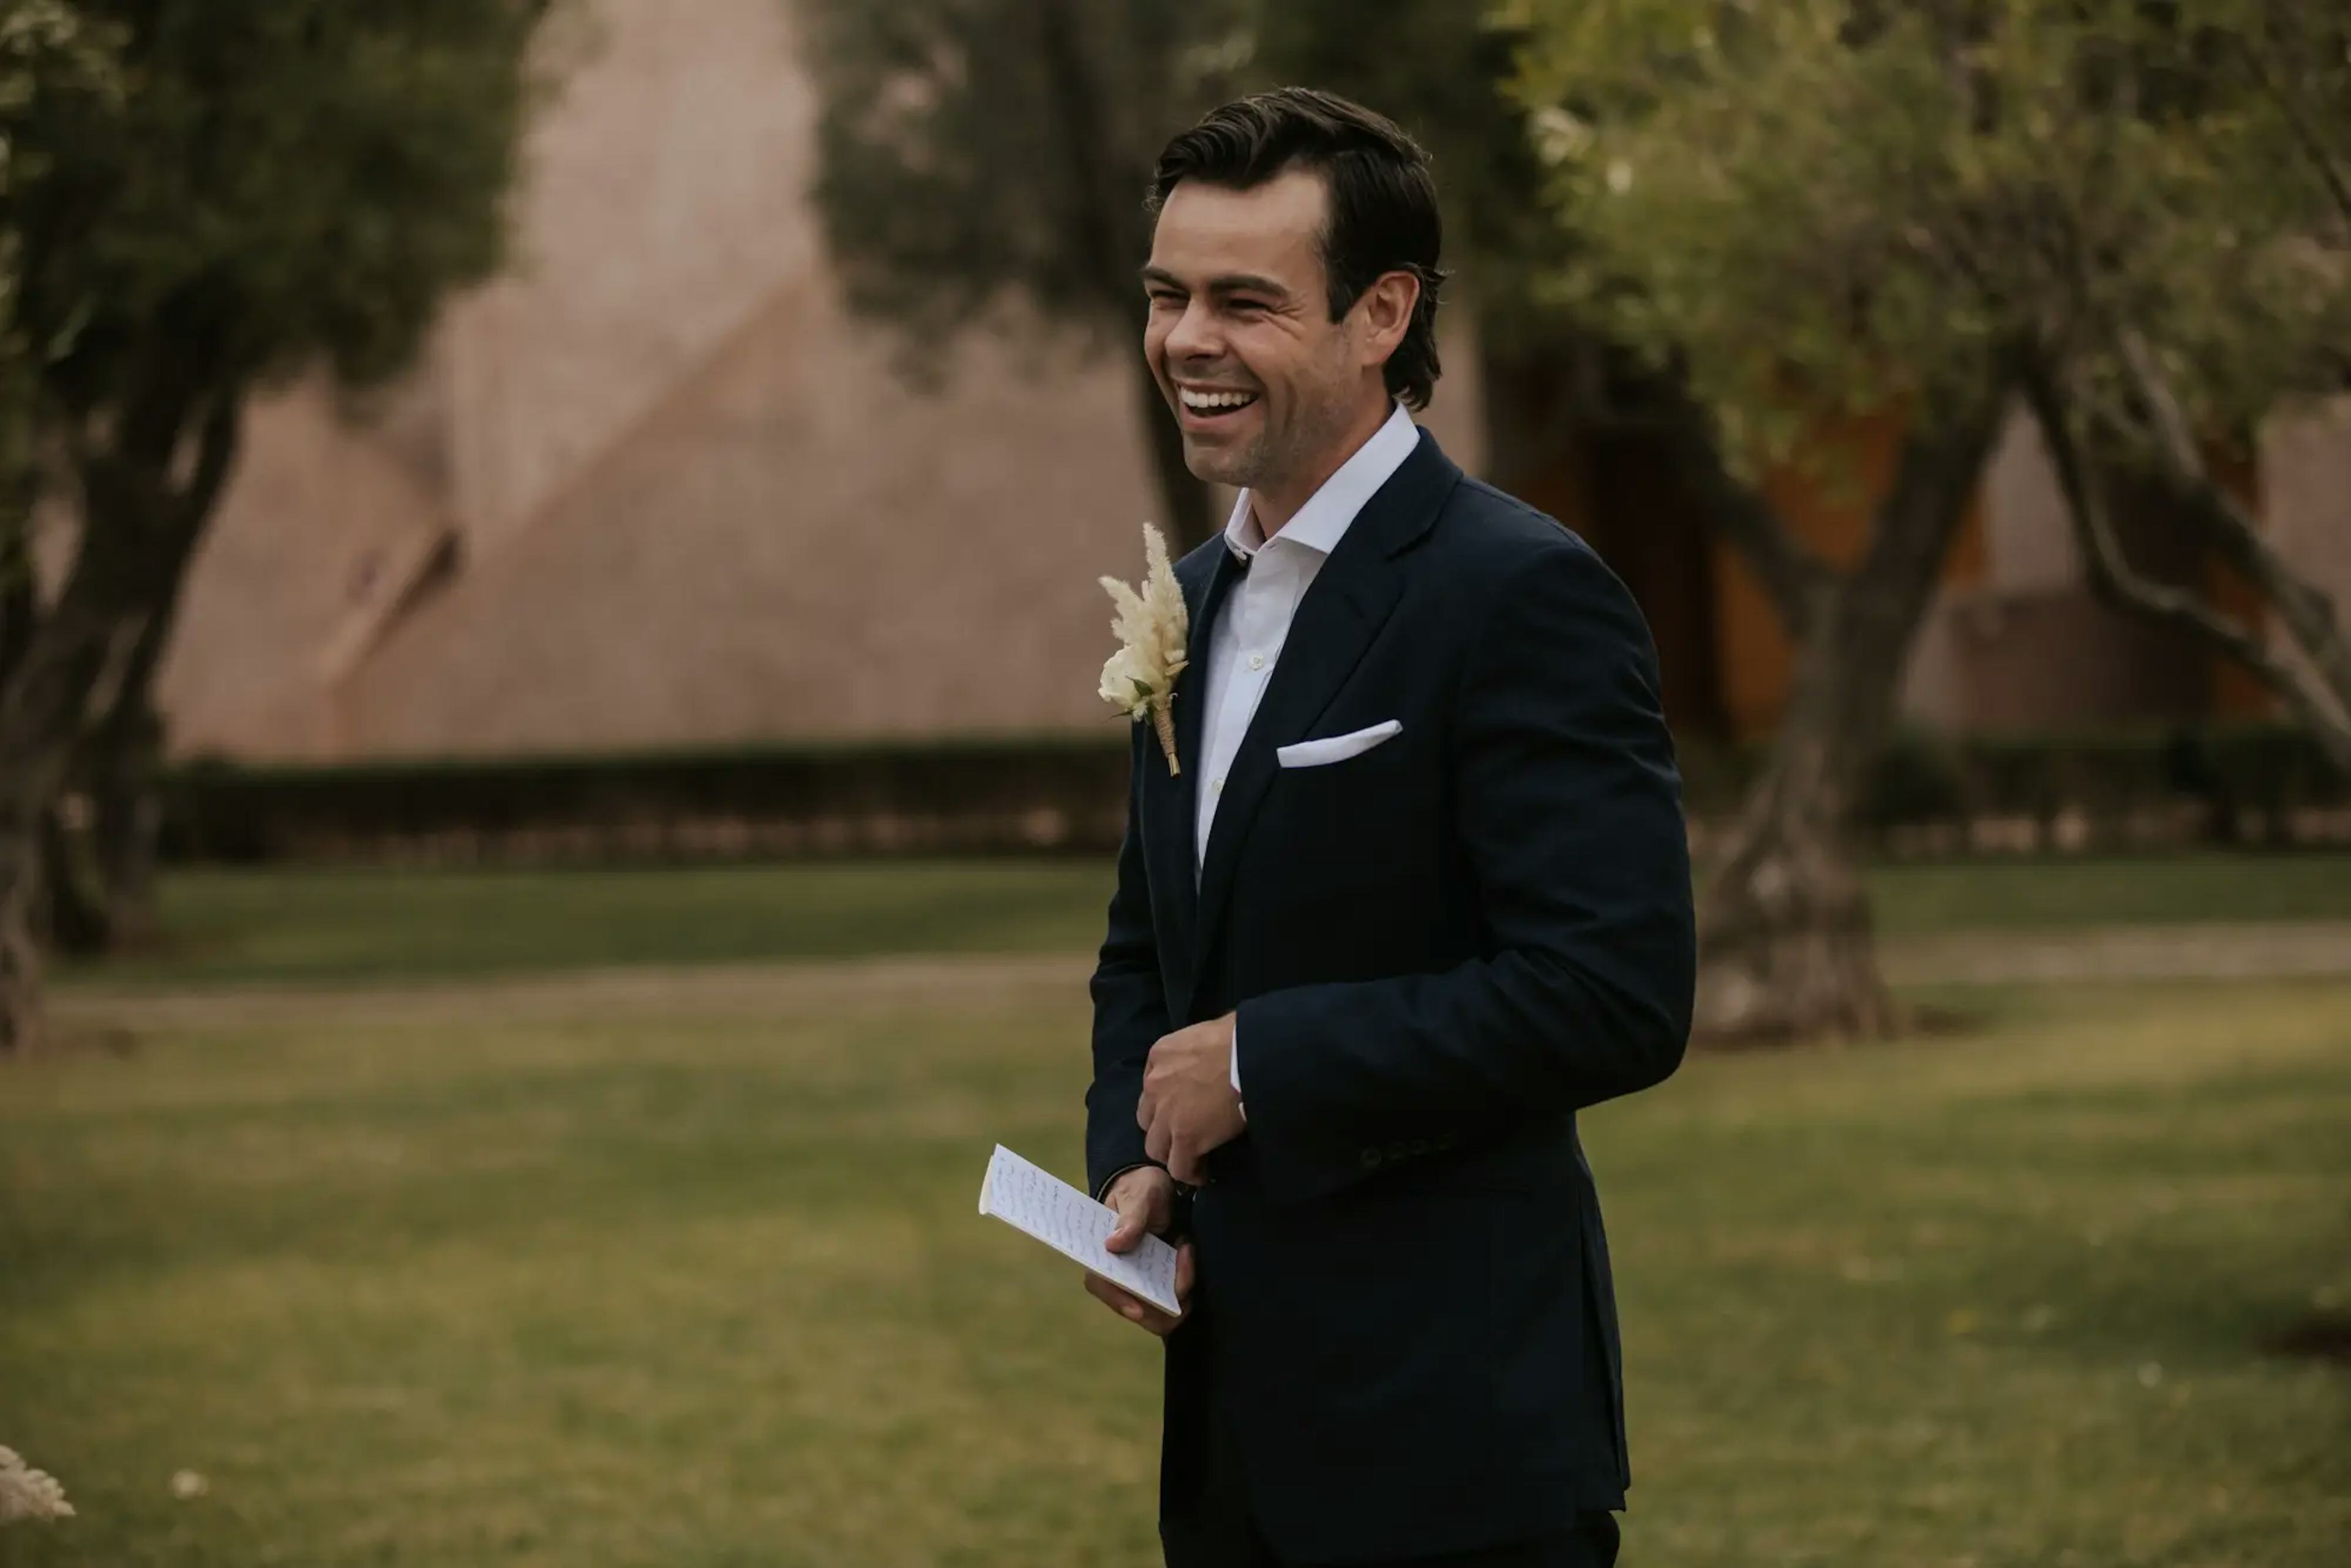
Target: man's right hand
point(1145, 1201)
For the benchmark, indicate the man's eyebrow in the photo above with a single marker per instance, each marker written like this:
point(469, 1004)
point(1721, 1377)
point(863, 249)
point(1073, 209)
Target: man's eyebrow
point(1230, 283)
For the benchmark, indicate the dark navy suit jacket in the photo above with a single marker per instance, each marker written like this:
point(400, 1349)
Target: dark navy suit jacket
point(1440, 950)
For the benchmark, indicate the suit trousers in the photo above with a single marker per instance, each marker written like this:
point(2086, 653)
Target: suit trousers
point(1215, 1530)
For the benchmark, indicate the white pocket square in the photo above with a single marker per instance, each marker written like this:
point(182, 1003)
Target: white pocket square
point(1337, 747)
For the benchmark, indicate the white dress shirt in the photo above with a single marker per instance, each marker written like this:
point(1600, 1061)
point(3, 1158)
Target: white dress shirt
point(1254, 621)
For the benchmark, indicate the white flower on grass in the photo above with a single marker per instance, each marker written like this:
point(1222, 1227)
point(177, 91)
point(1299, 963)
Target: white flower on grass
point(27, 1494)
point(1153, 629)
point(186, 1484)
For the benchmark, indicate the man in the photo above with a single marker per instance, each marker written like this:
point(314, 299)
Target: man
point(1419, 893)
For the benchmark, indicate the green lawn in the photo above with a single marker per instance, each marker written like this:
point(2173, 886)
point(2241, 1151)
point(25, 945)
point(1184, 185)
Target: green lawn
point(440, 1285)
point(314, 925)
point(307, 926)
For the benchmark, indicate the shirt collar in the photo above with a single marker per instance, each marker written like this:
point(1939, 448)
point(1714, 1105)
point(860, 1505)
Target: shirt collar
point(1323, 520)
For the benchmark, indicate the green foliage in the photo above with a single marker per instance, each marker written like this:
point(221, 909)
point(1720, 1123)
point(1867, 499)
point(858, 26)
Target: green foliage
point(1826, 206)
point(985, 792)
point(280, 181)
point(49, 55)
point(975, 153)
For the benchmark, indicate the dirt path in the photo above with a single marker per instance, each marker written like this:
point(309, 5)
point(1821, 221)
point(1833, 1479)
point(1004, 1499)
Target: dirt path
point(930, 982)
point(2217, 952)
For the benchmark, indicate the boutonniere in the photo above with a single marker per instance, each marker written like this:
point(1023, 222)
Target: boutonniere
point(1153, 628)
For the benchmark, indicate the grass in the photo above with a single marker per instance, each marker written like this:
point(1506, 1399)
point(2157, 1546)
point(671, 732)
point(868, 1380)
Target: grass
point(354, 924)
point(335, 926)
point(442, 1283)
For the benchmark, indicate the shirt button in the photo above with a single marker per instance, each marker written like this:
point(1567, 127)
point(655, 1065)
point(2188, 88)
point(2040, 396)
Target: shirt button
point(1257, 661)
point(1215, 785)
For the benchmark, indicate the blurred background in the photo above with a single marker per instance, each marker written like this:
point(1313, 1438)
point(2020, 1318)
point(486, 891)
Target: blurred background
point(553, 806)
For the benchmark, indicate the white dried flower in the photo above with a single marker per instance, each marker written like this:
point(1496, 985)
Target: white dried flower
point(27, 1494)
point(186, 1484)
point(1153, 629)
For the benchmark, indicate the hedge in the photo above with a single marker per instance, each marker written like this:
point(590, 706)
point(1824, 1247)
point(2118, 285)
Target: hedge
point(965, 793)
point(1929, 794)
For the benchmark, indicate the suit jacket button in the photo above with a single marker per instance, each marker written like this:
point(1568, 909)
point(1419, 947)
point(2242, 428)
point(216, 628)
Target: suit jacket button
point(1372, 1158)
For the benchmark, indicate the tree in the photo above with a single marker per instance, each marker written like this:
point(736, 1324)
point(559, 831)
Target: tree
point(51, 56)
point(2193, 265)
point(1746, 185)
point(977, 153)
point(281, 185)
point(1825, 208)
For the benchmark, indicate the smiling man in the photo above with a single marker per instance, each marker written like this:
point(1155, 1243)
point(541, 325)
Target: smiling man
point(1419, 895)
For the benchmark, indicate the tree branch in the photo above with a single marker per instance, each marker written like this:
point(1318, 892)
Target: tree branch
point(2118, 581)
point(2306, 610)
point(19, 589)
point(216, 450)
point(1794, 576)
point(2313, 146)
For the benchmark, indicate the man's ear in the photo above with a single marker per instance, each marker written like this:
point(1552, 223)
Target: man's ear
point(1386, 309)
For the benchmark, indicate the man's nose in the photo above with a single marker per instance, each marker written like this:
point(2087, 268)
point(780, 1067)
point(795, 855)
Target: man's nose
point(1195, 335)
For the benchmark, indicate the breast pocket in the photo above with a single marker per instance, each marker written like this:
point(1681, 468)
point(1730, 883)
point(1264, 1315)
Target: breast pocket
point(1352, 813)
point(1337, 748)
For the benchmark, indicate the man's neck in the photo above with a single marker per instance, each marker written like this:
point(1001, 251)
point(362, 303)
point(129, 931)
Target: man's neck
point(1274, 504)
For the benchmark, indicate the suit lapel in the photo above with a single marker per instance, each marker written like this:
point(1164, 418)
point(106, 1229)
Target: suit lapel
point(1350, 600)
point(1171, 804)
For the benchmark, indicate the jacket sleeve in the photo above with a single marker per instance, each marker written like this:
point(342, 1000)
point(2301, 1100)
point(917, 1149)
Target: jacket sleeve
point(1567, 806)
point(1129, 1005)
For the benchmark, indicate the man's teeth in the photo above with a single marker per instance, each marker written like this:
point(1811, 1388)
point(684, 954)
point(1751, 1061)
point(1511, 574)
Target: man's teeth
point(1205, 403)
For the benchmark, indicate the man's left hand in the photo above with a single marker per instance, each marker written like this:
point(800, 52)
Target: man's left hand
point(1188, 1106)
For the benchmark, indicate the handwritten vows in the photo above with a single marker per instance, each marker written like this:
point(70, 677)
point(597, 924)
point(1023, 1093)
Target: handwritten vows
point(1034, 1200)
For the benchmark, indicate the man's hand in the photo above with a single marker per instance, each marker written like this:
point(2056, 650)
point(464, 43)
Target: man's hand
point(1188, 1106)
point(1145, 1201)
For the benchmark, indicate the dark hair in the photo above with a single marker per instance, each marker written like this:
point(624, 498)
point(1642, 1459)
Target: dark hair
point(1383, 202)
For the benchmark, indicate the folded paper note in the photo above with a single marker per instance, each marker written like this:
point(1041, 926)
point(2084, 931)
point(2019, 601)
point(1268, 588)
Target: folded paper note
point(1034, 1200)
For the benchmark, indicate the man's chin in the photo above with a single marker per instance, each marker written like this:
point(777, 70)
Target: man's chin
point(1217, 464)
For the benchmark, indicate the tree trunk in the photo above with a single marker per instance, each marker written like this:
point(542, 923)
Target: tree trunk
point(48, 659)
point(20, 605)
point(120, 761)
point(71, 915)
point(1532, 413)
point(1787, 950)
point(1104, 175)
point(40, 709)
point(123, 762)
point(139, 522)
point(21, 1026)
